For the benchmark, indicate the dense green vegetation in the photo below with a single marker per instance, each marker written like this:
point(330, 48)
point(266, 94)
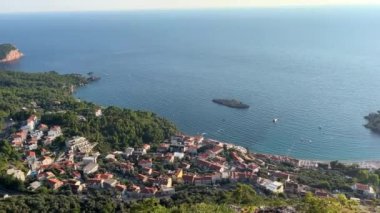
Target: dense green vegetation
point(5, 49)
point(242, 197)
point(49, 95)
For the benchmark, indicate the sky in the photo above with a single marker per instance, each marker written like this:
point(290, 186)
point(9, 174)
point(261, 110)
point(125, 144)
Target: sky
point(14, 6)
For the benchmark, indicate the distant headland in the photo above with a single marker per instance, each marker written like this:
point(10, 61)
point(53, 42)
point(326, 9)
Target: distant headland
point(9, 52)
point(231, 103)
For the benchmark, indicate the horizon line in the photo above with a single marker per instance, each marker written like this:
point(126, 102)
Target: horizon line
point(295, 6)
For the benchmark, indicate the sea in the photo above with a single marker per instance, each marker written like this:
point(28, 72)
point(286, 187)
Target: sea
point(316, 69)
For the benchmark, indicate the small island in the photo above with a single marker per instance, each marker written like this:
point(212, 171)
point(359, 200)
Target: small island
point(231, 103)
point(8, 53)
point(373, 121)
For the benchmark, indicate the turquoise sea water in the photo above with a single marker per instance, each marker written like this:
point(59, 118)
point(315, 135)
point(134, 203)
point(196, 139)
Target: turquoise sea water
point(309, 67)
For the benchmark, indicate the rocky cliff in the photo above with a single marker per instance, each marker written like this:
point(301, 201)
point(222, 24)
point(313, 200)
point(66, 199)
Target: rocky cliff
point(8, 52)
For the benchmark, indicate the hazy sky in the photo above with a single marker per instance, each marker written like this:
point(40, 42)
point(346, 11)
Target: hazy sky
point(9, 6)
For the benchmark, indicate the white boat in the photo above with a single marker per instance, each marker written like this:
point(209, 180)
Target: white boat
point(275, 120)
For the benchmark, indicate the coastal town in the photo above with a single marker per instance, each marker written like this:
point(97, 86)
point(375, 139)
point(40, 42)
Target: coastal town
point(158, 171)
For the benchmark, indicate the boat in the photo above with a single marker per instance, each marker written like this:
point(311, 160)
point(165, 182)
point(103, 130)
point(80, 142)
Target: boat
point(275, 120)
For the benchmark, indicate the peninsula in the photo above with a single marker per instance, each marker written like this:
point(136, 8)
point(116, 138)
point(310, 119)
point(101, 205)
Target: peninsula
point(231, 103)
point(8, 53)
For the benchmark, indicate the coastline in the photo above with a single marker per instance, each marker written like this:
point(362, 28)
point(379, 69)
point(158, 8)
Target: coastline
point(369, 164)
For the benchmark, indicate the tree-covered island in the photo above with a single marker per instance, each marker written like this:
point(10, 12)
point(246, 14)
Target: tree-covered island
point(9, 52)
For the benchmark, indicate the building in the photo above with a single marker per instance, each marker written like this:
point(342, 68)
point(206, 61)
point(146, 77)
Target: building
point(80, 144)
point(90, 168)
point(145, 163)
point(129, 151)
point(54, 183)
point(203, 180)
point(53, 133)
point(35, 185)
point(364, 189)
point(272, 186)
point(98, 112)
point(16, 173)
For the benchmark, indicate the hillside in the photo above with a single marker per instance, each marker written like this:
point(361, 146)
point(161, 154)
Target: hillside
point(49, 95)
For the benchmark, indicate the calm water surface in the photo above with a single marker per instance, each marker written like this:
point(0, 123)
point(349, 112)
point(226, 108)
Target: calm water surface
point(307, 67)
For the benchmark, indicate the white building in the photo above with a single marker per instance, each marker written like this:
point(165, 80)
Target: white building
point(272, 186)
point(18, 174)
point(90, 168)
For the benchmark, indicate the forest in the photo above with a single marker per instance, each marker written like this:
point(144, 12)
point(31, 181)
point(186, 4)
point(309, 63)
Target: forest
point(49, 96)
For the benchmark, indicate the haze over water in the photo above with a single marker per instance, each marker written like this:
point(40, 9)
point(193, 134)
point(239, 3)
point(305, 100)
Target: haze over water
point(307, 67)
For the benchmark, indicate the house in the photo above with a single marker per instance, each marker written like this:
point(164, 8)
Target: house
point(104, 176)
point(146, 147)
point(17, 142)
point(203, 180)
point(45, 175)
point(178, 173)
point(77, 188)
point(281, 176)
point(147, 170)
point(54, 183)
point(98, 112)
point(166, 190)
point(126, 167)
point(321, 193)
point(148, 191)
point(291, 188)
point(192, 150)
point(169, 158)
point(211, 166)
point(37, 134)
point(90, 168)
point(163, 181)
point(145, 163)
point(179, 155)
point(176, 148)
point(139, 152)
point(163, 147)
point(80, 144)
point(215, 151)
point(142, 178)
point(16, 173)
point(34, 185)
point(43, 127)
point(46, 160)
point(76, 175)
point(31, 155)
point(121, 188)
point(111, 157)
point(188, 178)
point(109, 183)
point(364, 189)
point(185, 165)
point(236, 157)
point(31, 122)
point(240, 176)
point(253, 167)
point(272, 186)
point(89, 159)
point(95, 183)
point(129, 151)
point(54, 132)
